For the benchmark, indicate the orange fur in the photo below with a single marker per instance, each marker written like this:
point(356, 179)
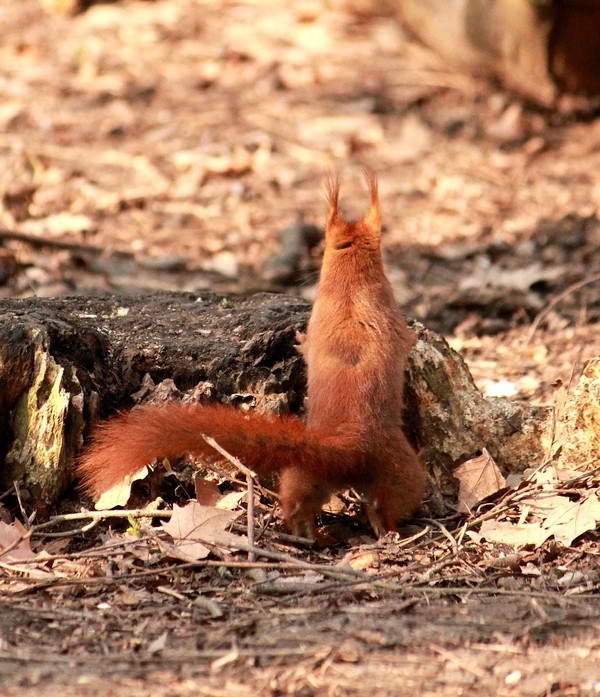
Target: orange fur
point(356, 347)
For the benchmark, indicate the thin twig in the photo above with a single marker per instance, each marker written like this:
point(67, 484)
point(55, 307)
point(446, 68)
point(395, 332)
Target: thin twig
point(448, 655)
point(229, 457)
point(279, 561)
point(584, 475)
point(17, 567)
point(147, 513)
point(176, 657)
point(45, 241)
point(103, 515)
point(250, 477)
point(445, 533)
point(556, 300)
point(27, 518)
point(250, 516)
point(405, 542)
point(107, 550)
point(299, 563)
point(70, 533)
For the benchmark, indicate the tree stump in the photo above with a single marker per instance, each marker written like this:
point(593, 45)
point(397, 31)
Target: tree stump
point(64, 363)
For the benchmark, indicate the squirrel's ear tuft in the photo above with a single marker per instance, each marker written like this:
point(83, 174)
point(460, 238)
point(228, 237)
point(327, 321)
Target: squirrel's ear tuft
point(332, 193)
point(372, 218)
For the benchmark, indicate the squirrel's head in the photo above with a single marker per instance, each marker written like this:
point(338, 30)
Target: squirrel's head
point(364, 233)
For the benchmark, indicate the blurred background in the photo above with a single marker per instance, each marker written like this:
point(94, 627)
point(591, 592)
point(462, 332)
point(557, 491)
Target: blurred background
point(183, 145)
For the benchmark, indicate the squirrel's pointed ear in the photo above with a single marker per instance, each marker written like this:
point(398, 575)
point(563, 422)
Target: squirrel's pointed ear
point(332, 192)
point(372, 218)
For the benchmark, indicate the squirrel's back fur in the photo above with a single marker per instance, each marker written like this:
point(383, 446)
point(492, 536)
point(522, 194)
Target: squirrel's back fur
point(356, 347)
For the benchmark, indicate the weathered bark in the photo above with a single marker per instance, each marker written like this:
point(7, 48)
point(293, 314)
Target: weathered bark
point(576, 441)
point(66, 362)
point(452, 421)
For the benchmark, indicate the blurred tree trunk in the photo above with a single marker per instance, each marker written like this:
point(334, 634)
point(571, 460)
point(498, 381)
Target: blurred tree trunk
point(541, 48)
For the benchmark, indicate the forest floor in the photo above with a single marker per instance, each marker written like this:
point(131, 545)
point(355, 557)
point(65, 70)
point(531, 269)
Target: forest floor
point(168, 145)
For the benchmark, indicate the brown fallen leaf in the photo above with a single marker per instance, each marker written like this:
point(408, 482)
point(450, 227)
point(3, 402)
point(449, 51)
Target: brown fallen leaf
point(159, 644)
point(119, 494)
point(231, 501)
point(207, 491)
point(479, 477)
point(11, 536)
point(554, 516)
point(195, 527)
point(516, 535)
point(572, 518)
point(363, 560)
point(542, 503)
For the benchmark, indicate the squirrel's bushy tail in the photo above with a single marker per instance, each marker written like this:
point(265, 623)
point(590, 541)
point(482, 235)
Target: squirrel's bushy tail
point(126, 443)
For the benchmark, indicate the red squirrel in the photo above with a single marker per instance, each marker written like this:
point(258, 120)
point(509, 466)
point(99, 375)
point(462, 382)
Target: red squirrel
point(356, 347)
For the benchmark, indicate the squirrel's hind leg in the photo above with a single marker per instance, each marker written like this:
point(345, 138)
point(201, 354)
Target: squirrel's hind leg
point(302, 498)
